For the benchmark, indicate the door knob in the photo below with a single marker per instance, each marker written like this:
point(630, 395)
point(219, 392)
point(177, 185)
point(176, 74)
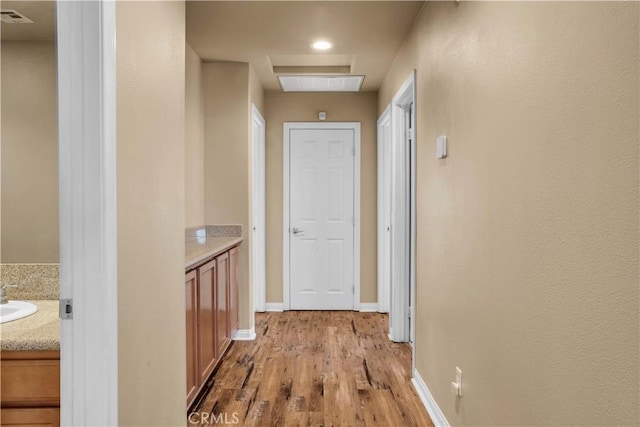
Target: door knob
point(296, 230)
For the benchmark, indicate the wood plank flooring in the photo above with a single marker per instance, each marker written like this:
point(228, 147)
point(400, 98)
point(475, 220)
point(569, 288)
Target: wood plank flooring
point(315, 368)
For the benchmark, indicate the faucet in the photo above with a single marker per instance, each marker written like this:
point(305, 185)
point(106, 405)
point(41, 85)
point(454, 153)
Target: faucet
point(3, 292)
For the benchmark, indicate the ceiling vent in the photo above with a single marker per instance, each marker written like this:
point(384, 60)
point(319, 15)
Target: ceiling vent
point(10, 16)
point(321, 83)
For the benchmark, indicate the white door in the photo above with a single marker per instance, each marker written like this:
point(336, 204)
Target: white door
point(258, 210)
point(321, 219)
point(87, 163)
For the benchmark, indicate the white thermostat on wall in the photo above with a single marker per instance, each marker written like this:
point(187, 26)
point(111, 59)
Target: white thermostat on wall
point(441, 147)
point(322, 115)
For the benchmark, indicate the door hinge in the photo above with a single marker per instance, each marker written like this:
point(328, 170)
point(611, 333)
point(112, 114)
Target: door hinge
point(410, 134)
point(353, 289)
point(353, 151)
point(66, 308)
point(409, 313)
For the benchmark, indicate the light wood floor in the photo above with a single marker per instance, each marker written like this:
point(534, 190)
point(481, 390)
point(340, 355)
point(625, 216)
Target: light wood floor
point(317, 368)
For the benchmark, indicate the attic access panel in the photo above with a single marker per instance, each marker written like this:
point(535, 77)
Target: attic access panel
point(321, 83)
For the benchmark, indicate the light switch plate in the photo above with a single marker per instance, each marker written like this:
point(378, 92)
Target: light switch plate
point(441, 147)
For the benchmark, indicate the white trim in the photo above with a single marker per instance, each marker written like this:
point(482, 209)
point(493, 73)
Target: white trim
point(244, 334)
point(369, 307)
point(287, 127)
point(437, 417)
point(356, 214)
point(274, 306)
point(403, 221)
point(86, 43)
point(384, 206)
point(258, 213)
point(414, 183)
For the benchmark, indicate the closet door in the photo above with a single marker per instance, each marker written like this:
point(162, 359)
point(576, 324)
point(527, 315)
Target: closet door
point(191, 298)
point(233, 291)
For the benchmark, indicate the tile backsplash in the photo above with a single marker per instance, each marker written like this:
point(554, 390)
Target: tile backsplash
point(35, 281)
point(193, 233)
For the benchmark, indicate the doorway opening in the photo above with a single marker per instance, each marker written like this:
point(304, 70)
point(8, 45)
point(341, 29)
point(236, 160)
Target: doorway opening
point(258, 210)
point(396, 212)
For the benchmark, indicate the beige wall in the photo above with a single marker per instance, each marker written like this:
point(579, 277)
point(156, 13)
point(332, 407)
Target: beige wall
point(256, 92)
point(151, 213)
point(194, 141)
point(527, 244)
point(29, 152)
point(226, 151)
point(304, 107)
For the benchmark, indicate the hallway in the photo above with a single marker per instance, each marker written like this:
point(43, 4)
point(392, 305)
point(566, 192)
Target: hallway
point(316, 368)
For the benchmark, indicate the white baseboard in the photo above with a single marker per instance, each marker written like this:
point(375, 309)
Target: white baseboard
point(428, 401)
point(244, 335)
point(369, 307)
point(364, 306)
point(274, 306)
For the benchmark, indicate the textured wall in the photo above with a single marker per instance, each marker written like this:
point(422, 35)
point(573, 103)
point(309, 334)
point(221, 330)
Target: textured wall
point(29, 152)
point(304, 107)
point(194, 140)
point(256, 92)
point(227, 161)
point(527, 239)
point(151, 213)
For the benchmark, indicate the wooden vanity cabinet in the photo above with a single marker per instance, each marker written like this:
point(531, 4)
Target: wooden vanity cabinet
point(211, 294)
point(30, 388)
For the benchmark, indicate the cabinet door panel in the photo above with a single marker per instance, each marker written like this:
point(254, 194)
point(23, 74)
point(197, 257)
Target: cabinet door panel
point(191, 298)
point(233, 290)
point(222, 314)
point(206, 320)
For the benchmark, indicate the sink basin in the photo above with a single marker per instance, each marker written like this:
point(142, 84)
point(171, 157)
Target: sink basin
point(14, 310)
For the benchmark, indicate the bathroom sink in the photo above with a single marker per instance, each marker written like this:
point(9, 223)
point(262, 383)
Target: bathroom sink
point(14, 310)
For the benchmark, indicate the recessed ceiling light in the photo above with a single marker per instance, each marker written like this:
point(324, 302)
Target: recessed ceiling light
point(322, 45)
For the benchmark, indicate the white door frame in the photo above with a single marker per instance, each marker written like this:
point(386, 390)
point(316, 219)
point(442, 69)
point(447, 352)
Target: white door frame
point(384, 210)
point(287, 128)
point(86, 39)
point(403, 226)
point(258, 207)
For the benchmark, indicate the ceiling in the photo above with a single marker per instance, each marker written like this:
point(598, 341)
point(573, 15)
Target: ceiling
point(366, 35)
point(43, 15)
